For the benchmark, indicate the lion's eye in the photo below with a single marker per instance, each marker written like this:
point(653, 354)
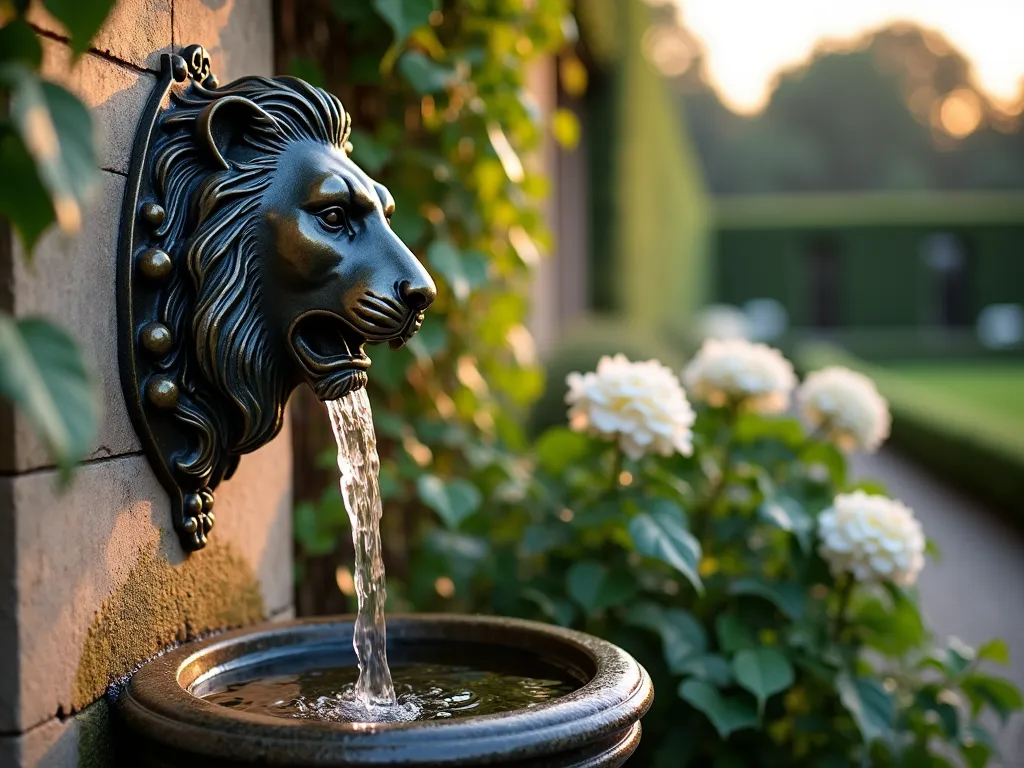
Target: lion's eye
point(333, 219)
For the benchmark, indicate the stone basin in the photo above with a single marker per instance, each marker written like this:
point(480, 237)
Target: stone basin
point(163, 721)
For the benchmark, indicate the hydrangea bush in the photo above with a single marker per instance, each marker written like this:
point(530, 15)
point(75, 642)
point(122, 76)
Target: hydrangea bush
point(771, 599)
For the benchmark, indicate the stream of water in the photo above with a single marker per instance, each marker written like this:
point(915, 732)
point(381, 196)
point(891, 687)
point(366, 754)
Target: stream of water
point(372, 699)
point(442, 688)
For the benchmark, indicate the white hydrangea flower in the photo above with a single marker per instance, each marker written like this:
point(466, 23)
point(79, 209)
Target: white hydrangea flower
point(846, 407)
point(641, 405)
point(740, 372)
point(874, 538)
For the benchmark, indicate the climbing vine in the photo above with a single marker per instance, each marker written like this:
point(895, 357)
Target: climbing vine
point(444, 118)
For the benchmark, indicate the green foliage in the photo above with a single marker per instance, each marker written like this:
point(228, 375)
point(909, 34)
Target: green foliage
point(48, 165)
point(704, 567)
point(42, 372)
point(775, 661)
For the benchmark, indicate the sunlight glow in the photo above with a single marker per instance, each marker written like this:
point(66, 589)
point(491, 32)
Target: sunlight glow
point(749, 41)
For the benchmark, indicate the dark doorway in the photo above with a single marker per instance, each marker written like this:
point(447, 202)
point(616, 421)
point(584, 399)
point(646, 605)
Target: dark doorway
point(945, 255)
point(823, 280)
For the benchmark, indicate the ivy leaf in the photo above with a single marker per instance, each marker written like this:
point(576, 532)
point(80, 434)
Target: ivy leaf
point(453, 501)
point(310, 533)
point(1002, 695)
point(424, 75)
point(560, 447)
point(727, 713)
point(26, 204)
point(788, 598)
point(56, 129)
point(430, 340)
point(43, 374)
point(83, 18)
point(370, 153)
point(788, 514)
point(305, 68)
point(764, 672)
point(868, 703)
point(662, 534)
point(445, 258)
point(18, 42)
point(403, 16)
point(595, 587)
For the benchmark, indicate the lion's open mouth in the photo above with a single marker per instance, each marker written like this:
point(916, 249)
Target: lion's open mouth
point(331, 355)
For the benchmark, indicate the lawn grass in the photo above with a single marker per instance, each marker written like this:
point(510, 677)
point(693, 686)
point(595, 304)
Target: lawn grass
point(997, 388)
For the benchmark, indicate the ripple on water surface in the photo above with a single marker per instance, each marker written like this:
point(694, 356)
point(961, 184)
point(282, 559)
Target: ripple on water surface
point(425, 692)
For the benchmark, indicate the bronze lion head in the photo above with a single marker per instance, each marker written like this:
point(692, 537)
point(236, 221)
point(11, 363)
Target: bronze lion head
point(255, 255)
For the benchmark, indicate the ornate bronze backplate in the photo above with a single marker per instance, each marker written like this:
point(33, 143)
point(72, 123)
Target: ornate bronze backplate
point(254, 256)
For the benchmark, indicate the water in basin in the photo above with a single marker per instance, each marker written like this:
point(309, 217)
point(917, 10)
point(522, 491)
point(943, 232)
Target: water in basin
point(424, 691)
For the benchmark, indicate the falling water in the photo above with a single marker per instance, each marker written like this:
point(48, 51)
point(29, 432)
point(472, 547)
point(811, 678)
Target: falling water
point(359, 464)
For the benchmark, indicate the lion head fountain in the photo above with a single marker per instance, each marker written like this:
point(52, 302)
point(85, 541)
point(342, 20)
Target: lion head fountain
point(255, 255)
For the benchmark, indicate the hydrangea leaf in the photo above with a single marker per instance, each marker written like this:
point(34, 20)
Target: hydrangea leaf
point(1002, 695)
point(727, 713)
point(764, 672)
point(868, 703)
point(560, 447)
point(788, 598)
point(709, 667)
point(682, 636)
point(454, 500)
point(595, 587)
point(995, 650)
point(788, 514)
point(662, 534)
point(732, 633)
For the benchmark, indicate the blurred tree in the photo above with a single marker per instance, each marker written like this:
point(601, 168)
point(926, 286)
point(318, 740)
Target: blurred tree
point(899, 109)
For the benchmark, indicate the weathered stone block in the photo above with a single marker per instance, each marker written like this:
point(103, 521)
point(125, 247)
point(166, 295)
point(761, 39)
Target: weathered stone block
point(71, 280)
point(102, 583)
point(114, 93)
point(81, 741)
point(136, 32)
point(237, 33)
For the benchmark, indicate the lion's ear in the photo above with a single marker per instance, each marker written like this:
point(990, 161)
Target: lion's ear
point(223, 125)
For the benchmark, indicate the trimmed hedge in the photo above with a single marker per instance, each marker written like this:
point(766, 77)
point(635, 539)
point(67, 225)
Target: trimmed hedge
point(981, 454)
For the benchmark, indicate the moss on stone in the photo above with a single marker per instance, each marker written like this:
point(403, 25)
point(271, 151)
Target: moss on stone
point(161, 605)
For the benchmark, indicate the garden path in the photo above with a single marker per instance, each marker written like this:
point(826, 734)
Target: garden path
point(976, 591)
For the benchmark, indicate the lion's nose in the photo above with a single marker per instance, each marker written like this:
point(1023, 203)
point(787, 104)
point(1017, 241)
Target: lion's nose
point(417, 297)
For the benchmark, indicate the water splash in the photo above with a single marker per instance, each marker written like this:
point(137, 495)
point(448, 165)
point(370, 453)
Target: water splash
point(359, 465)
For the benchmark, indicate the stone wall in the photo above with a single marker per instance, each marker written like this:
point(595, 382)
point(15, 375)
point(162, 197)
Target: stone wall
point(92, 579)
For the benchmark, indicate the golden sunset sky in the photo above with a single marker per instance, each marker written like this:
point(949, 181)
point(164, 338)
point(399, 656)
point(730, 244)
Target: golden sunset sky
point(749, 41)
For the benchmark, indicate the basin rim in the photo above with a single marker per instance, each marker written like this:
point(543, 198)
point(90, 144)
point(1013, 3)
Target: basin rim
point(156, 705)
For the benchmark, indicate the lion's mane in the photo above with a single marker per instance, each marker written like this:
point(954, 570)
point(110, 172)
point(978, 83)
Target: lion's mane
point(232, 378)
